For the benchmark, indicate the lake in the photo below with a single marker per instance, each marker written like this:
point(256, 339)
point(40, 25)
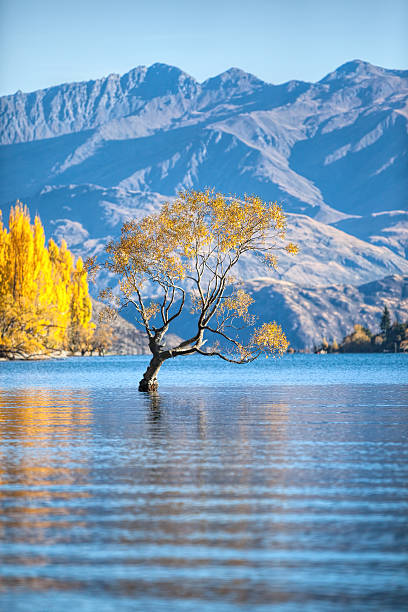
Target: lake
point(281, 485)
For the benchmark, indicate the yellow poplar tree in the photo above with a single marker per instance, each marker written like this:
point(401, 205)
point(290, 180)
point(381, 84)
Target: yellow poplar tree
point(62, 264)
point(24, 321)
point(37, 289)
point(81, 329)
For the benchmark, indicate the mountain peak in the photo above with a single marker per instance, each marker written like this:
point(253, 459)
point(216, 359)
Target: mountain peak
point(354, 66)
point(158, 80)
point(233, 78)
point(235, 72)
point(358, 70)
point(160, 68)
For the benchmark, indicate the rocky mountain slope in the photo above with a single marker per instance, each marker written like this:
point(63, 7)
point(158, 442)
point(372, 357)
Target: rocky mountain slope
point(327, 149)
point(87, 156)
point(309, 313)
point(387, 228)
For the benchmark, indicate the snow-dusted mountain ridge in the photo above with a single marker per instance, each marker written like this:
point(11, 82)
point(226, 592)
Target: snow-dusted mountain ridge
point(88, 155)
point(74, 107)
point(329, 149)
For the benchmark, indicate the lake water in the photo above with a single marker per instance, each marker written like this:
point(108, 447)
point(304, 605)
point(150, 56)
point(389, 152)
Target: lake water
point(282, 485)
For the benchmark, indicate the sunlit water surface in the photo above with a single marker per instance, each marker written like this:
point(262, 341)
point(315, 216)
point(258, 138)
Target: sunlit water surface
point(275, 486)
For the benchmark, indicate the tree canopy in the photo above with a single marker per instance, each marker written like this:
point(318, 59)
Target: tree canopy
point(185, 255)
point(44, 298)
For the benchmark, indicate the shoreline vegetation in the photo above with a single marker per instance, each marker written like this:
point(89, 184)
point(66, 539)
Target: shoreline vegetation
point(45, 307)
point(392, 338)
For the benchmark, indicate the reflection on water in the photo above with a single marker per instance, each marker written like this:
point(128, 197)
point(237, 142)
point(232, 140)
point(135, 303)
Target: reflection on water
point(226, 499)
point(39, 462)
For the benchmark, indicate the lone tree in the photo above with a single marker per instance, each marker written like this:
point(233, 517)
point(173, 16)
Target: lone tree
point(185, 255)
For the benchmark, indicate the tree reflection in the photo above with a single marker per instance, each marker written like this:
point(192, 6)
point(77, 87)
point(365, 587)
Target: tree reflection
point(155, 412)
point(41, 471)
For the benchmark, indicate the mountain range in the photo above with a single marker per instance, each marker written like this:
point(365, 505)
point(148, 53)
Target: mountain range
point(86, 156)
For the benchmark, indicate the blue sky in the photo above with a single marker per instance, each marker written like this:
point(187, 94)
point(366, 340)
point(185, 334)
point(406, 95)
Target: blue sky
point(44, 42)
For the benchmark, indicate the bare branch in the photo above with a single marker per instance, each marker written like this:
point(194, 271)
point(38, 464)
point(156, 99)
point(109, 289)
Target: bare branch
point(225, 358)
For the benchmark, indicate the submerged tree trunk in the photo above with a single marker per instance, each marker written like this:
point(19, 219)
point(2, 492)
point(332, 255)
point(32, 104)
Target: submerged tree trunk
point(149, 380)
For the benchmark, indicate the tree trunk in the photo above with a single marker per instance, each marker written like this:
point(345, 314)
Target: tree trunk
point(149, 380)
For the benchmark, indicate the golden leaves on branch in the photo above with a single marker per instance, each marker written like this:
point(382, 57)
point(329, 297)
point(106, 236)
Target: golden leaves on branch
point(236, 305)
point(271, 260)
point(151, 310)
point(292, 248)
point(196, 226)
point(107, 315)
point(270, 339)
point(91, 267)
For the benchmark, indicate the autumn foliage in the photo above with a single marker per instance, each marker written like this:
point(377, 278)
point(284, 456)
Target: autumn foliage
point(185, 255)
point(44, 300)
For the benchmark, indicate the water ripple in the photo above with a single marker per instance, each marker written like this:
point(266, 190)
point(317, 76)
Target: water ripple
point(222, 499)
